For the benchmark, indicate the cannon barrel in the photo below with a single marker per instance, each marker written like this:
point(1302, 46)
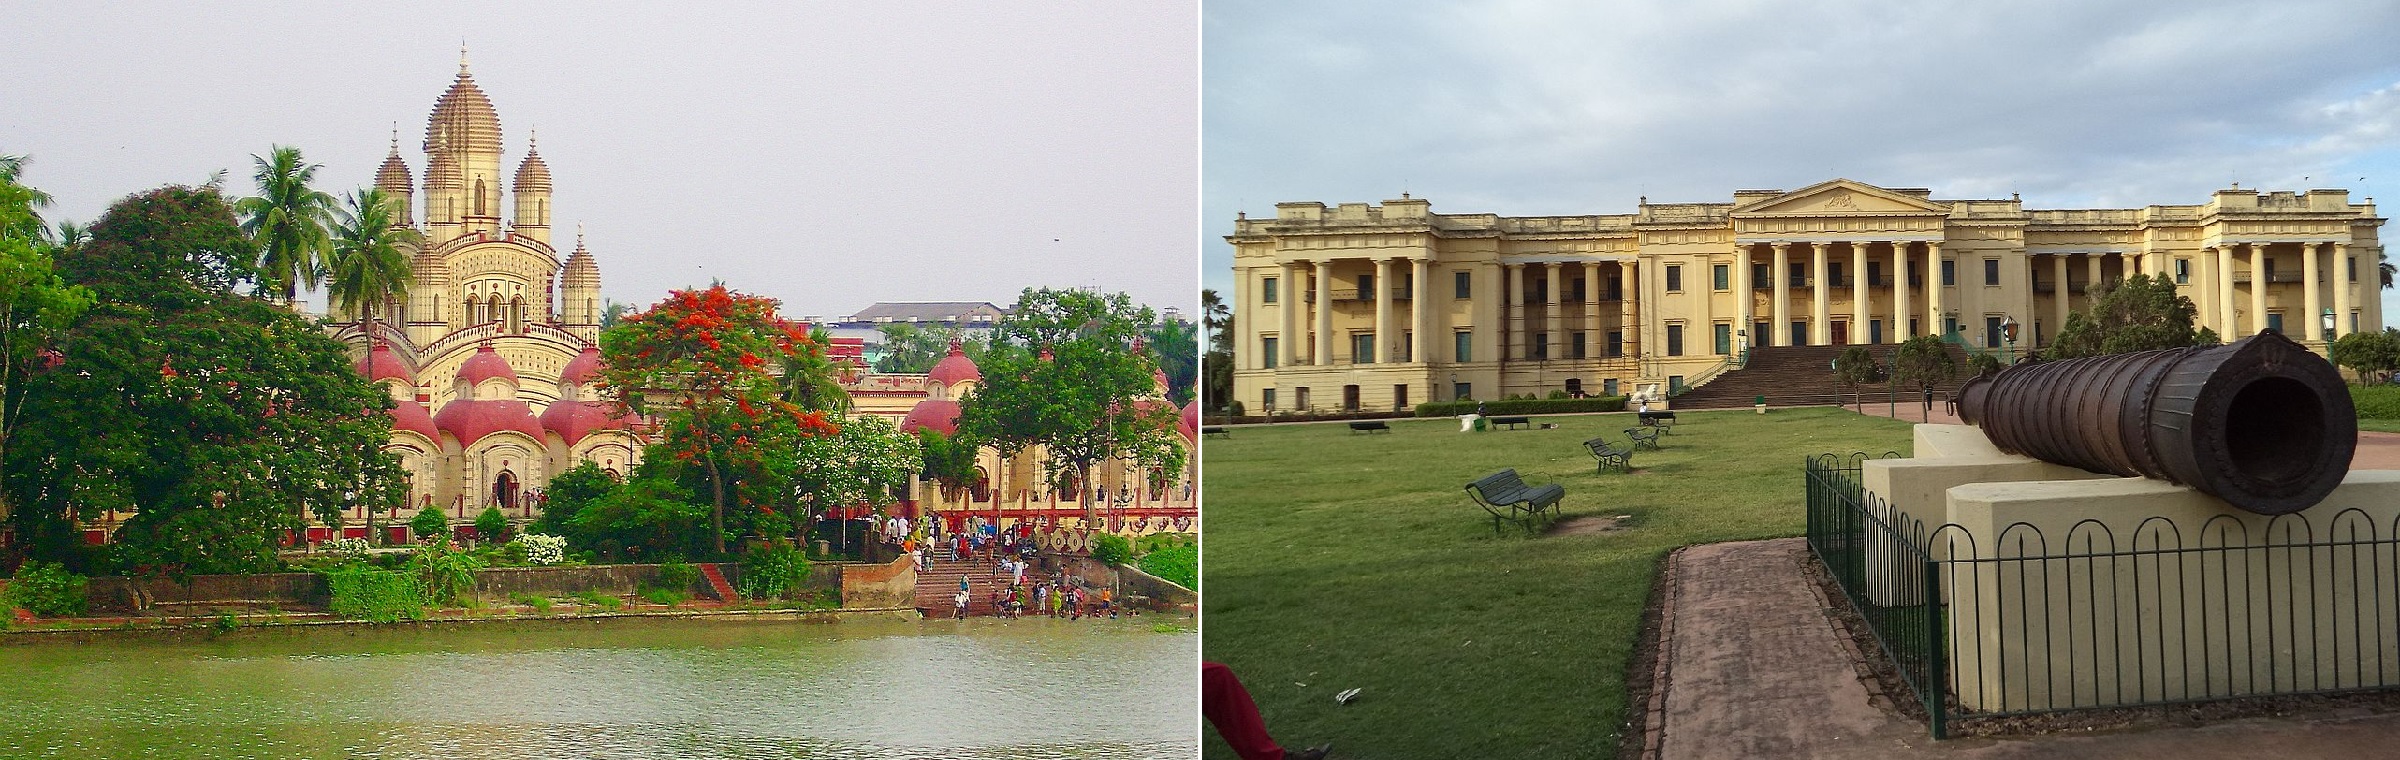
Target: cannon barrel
point(2261, 422)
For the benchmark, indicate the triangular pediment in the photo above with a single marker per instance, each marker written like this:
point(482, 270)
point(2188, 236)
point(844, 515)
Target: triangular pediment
point(1840, 197)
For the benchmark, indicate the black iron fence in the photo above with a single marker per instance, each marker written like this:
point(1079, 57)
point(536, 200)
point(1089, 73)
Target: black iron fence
point(2114, 613)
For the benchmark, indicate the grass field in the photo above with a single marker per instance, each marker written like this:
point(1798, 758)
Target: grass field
point(1339, 560)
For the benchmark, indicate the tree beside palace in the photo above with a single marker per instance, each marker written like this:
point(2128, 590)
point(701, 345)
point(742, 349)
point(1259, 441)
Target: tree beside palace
point(1066, 373)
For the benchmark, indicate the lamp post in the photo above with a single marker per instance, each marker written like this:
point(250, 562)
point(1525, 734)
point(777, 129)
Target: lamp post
point(2008, 328)
point(2327, 321)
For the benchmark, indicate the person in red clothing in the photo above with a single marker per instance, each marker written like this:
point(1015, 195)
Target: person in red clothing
point(1228, 707)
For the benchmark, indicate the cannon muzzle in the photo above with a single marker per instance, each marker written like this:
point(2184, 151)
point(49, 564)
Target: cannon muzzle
point(2261, 422)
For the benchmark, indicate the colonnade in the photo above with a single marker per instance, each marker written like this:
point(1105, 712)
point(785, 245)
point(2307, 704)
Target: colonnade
point(1319, 276)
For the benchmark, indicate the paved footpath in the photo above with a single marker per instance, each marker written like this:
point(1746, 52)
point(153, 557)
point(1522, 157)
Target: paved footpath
point(1755, 669)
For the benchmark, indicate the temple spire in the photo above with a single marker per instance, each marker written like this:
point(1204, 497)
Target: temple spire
point(462, 56)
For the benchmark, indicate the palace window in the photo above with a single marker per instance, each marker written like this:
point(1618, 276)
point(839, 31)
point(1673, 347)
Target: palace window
point(2183, 271)
point(1616, 344)
point(1362, 349)
point(1949, 272)
point(1833, 274)
point(1724, 338)
point(1991, 271)
point(1400, 397)
point(1616, 288)
point(1674, 340)
point(1541, 346)
point(1267, 347)
point(1608, 387)
point(1722, 276)
point(1462, 285)
point(1674, 278)
point(1540, 291)
point(1300, 399)
point(1799, 275)
point(1463, 347)
point(1366, 287)
point(1462, 391)
point(1266, 398)
point(1576, 290)
point(1762, 276)
point(1874, 273)
point(1575, 347)
point(1266, 289)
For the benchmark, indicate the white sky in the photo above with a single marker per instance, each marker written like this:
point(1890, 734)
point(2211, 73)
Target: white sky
point(1534, 107)
point(831, 155)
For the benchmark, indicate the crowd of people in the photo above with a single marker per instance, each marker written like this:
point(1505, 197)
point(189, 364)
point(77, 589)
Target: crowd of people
point(1010, 553)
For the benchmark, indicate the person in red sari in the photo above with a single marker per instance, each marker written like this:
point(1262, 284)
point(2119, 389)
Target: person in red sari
point(1228, 707)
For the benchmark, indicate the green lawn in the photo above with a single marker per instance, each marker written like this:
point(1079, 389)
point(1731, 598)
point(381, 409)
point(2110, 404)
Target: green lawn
point(2384, 426)
point(1339, 560)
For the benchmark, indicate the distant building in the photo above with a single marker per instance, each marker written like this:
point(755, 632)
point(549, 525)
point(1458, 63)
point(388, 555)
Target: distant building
point(972, 319)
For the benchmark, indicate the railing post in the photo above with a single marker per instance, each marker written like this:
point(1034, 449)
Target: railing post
point(1937, 681)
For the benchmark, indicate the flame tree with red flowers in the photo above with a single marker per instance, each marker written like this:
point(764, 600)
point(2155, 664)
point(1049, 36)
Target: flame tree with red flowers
point(697, 364)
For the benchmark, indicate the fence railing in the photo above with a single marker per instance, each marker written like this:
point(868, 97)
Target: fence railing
point(2165, 613)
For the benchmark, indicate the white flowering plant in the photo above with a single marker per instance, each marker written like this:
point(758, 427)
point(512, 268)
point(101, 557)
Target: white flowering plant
point(347, 548)
point(541, 549)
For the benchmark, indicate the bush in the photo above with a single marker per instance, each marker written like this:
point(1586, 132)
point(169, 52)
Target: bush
point(350, 549)
point(491, 525)
point(540, 550)
point(539, 603)
point(1983, 364)
point(2376, 402)
point(678, 575)
point(775, 572)
point(1180, 565)
point(1233, 408)
point(381, 596)
point(1523, 406)
point(445, 575)
point(46, 589)
point(429, 523)
point(597, 599)
point(665, 596)
point(1112, 549)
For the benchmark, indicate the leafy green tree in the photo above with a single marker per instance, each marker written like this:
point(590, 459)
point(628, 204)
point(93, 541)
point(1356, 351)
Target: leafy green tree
point(1856, 367)
point(1216, 366)
point(1174, 346)
point(697, 362)
point(911, 349)
point(36, 306)
point(1923, 362)
point(2141, 313)
point(613, 311)
point(429, 523)
point(1061, 375)
point(491, 525)
point(2370, 354)
point(368, 268)
point(288, 219)
point(812, 380)
point(222, 420)
point(569, 493)
point(652, 516)
point(2205, 338)
point(859, 466)
point(949, 461)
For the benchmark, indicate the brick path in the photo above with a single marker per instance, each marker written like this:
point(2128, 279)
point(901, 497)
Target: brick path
point(1757, 670)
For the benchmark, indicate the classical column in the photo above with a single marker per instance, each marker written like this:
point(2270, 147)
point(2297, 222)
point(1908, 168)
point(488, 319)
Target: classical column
point(1552, 323)
point(2341, 289)
point(2091, 277)
point(1933, 288)
point(1324, 287)
point(2124, 265)
point(1779, 284)
point(1594, 340)
point(2311, 297)
point(1515, 305)
point(2225, 321)
point(1629, 319)
point(1820, 312)
point(1420, 309)
point(1288, 333)
point(1744, 314)
point(1900, 315)
point(1383, 313)
point(1858, 294)
point(2258, 289)
point(2059, 307)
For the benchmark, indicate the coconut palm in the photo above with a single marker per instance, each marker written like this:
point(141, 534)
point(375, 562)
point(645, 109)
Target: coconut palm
point(367, 268)
point(288, 219)
point(20, 214)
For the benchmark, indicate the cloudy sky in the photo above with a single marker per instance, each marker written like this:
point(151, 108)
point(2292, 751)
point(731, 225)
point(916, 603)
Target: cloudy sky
point(1530, 108)
point(831, 155)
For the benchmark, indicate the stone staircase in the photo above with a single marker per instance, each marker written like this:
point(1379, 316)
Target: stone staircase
point(1798, 376)
point(716, 582)
point(939, 582)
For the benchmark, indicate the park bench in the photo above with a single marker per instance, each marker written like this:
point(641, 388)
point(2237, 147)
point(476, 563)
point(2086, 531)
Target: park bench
point(1369, 426)
point(1643, 437)
point(1217, 431)
point(1611, 456)
point(1663, 420)
point(1512, 422)
point(1503, 494)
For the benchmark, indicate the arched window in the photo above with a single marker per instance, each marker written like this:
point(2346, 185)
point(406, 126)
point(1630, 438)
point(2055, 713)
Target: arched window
point(516, 315)
point(479, 196)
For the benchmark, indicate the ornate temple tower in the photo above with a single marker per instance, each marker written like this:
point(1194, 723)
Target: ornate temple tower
point(466, 129)
point(579, 293)
point(441, 195)
point(533, 196)
point(393, 178)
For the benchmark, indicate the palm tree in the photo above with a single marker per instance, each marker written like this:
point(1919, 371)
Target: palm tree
point(19, 205)
point(71, 234)
point(366, 268)
point(812, 381)
point(288, 219)
point(1218, 318)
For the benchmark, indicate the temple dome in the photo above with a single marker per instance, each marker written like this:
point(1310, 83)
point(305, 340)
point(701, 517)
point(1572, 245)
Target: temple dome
point(573, 420)
point(533, 175)
point(955, 368)
point(1190, 426)
point(381, 363)
point(442, 172)
point(934, 413)
point(393, 177)
point(463, 118)
point(582, 369)
point(471, 419)
point(485, 365)
point(411, 416)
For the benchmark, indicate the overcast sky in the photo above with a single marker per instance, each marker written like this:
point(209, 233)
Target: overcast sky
point(831, 155)
point(1533, 108)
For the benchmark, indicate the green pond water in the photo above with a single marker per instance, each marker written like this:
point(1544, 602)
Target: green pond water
point(615, 689)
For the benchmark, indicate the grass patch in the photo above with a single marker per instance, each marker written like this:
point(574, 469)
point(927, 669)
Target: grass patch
point(1338, 561)
point(666, 596)
point(599, 600)
point(539, 603)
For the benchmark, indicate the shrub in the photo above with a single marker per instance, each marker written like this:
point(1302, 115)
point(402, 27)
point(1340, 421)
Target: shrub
point(1148, 543)
point(2376, 402)
point(1556, 395)
point(1180, 565)
point(429, 523)
point(47, 589)
point(1112, 549)
point(381, 596)
point(445, 575)
point(540, 604)
point(491, 525)
point(775, 572)
point(597, 599)
point(354, 549)
point(1523, 406)
point(665, 596)
point(1983, 364)
point(678, 575)
point(539, 549)
point(1233, 408)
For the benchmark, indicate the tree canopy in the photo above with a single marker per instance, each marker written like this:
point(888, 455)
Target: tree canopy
point(36, 305)
point(911, 349)
point(2141, 313)
point(2370, 354)
point(1063, 374)
point(1923, 362)
point(289, 221)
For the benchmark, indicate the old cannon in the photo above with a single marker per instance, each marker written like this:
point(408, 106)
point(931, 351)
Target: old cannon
point(2261, 422)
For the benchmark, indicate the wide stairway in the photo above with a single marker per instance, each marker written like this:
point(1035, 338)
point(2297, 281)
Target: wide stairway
point(1801, 376)
point(938, 583)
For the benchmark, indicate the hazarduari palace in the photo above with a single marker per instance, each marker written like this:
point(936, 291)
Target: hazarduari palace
point(1373, 307)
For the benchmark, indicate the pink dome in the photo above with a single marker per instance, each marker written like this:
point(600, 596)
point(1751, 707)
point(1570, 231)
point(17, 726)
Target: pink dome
point(582, 369)
point(381, 364)
point(1191, 421)
point(573, 420)
point(935, 413)
point(485, 365)
point(410, 415)
point(955, 368)
point(471, 420)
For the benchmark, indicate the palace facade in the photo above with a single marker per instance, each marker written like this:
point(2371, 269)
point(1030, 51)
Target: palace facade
point(1367, 307)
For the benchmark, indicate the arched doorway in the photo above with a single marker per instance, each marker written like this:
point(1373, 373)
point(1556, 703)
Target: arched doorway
point(504, 490)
